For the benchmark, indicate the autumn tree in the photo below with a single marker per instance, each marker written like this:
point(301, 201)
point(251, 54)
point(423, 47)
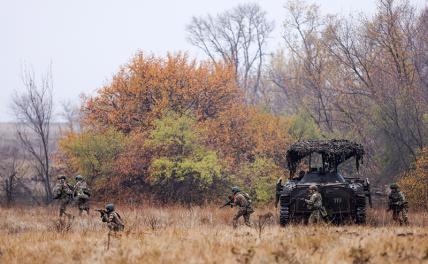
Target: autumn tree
point(414, 183)
point(182, 127)
point(148, 85)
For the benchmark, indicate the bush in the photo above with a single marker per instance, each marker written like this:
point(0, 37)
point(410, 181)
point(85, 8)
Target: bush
point(184, 169)
point(414, 183)
point(261, 176)
point(94, 154)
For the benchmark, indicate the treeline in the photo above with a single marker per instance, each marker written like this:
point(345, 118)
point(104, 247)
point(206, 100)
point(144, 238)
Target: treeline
point(176, 129)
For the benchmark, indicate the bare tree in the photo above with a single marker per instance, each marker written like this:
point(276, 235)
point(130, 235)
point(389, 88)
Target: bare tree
point(239, 37)
point(363, 78)
point(10, 164)
point(302, 35)
point(33, 110)
point(381, 58)
point(71, 114)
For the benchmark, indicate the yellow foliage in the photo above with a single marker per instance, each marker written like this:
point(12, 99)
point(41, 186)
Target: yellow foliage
point(415, 182)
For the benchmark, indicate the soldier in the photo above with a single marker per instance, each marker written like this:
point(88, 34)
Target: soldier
point(314, 203)
point(81, 194)
point(112, 218)
point(243, 202)
point(64, 193)
point(398, 205)
point(278, 190)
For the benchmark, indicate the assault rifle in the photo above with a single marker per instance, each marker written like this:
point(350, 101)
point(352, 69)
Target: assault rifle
point(102, 212)
point(398, 206)
point(229, 201)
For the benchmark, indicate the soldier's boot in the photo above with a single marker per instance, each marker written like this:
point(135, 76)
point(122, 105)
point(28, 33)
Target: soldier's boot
point(395, 216)
point(61, 212)
point(404, 219)
point(247, 220)
point(318, 218)
point(235, 223)
point(311, 219)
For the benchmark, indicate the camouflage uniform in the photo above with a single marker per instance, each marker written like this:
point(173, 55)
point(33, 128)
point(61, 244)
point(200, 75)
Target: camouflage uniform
point(113, 220)
point(398, 204)
point(315, 204)
point(243, 202)
point(64, 193)
point(81, 193)
point(278, 191)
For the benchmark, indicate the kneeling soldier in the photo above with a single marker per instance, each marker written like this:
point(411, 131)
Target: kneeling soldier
point(398, 205)
point(314, 204)
point(243, 202)
point(112, 218)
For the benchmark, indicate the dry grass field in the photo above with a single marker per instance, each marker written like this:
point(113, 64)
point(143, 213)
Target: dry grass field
point(204, 235)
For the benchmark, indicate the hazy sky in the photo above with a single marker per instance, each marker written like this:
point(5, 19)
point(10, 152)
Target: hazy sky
point(87, 40)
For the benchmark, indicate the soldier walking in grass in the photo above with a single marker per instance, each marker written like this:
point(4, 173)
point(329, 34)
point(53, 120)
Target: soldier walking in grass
point(398, 205)
point(314, 204)
point(243, 202)
point(112, 218)
point(278, 190)
point(64, 193)
point(82, 194)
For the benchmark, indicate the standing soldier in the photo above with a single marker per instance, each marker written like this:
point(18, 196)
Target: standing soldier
point(112, 218)
point(64, 193)
point(314, 204)
point(398, 205)
point(278, 191)
point(243, 202)
point(81, 194)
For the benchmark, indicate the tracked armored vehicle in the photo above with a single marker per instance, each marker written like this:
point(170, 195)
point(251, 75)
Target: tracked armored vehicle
point(343, 198)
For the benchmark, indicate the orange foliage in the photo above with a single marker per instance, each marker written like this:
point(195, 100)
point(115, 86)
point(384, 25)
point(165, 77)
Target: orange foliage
point(415, 182)
point(243, 132)
point(148, 85)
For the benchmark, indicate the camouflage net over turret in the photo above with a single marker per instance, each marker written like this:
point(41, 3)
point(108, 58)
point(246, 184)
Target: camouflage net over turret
point(333, 152)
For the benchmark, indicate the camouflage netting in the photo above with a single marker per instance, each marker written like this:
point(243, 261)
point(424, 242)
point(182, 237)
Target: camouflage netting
point(333, 152)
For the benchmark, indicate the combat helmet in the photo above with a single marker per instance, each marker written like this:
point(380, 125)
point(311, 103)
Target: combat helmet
point(394, 186)
point(313, 187)
point(78, 178)
point(61, 177)
point(110, 207)
point(235, 189)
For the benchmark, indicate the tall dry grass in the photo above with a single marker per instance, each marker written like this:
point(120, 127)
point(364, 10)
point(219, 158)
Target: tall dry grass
point(204, 235)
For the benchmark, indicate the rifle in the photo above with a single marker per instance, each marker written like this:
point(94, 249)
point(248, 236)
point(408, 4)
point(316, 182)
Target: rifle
point(229, 201)
point(292, 201)
point(367, 191)
point(102, 212)
point(397, 206)
point(71, 187)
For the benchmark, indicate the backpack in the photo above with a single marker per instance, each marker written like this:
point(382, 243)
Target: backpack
point(247, 197)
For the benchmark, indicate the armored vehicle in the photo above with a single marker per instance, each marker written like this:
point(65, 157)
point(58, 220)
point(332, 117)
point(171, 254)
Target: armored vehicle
point(343, 198)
